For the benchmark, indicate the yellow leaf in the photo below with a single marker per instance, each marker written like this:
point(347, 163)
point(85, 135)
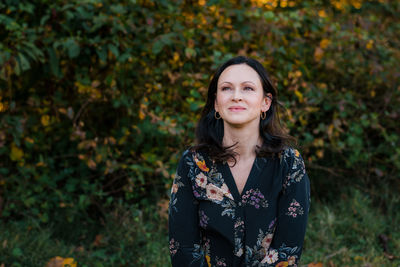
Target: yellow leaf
point(69, 262)
point(318, 264)
point(324, 43)
point(322, 13)
point(141, 115)
point(40, 164)
point(29, 140)
point(16, 153)
point(45, 120)
point(357, 4)
point(299, 95)
point(370, 44)
point(373, 93)
point(98, 158)
point(176, 56)
point(61, 262)
point(3, 106)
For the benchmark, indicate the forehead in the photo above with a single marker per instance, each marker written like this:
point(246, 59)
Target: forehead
point(238, 74)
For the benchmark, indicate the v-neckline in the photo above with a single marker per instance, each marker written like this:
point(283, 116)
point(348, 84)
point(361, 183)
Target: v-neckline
point(232, 183)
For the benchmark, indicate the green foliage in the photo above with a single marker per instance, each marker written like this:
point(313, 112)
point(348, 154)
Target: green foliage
point(343, 233)
point(128, 238)
point(348, 231)
point(100, 97)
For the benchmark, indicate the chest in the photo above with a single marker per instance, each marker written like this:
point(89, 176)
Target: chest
point(241, 172)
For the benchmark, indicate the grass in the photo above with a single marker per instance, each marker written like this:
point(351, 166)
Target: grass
point(341, 233)
point(347, 232)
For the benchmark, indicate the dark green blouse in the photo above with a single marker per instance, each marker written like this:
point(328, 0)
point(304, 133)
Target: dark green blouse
point(211, 224)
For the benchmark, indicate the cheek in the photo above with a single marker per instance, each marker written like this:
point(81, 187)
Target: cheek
point(222, 99)
point(256, 102)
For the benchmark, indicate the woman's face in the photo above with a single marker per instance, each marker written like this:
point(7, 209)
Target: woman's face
point(240, 97)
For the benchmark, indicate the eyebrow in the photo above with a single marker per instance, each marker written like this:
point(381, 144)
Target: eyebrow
point(241, 83)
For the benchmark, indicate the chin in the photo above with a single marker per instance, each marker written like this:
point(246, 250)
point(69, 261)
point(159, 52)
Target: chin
point(237, 123)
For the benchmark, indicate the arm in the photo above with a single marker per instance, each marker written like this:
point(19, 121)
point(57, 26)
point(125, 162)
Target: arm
point(184, 234)
point(293, 208)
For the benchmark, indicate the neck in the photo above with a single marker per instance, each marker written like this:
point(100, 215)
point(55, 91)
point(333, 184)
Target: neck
point(247, 137)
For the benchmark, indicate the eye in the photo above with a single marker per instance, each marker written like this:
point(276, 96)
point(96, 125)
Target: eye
point(248, 88)
point(225, 88)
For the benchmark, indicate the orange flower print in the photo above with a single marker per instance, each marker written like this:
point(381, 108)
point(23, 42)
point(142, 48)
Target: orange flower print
point(282, 264)
point(202, 165)
point(208, 260)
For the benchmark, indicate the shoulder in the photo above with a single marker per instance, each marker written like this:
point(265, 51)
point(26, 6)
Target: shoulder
point(293, 167)
point(191, 155)
point(291, 158)
point(290, 153)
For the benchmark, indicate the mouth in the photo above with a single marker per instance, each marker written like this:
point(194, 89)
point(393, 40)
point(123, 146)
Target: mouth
point(235, 109)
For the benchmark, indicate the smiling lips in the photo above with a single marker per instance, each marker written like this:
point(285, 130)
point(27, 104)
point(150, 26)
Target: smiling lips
point(237, 108)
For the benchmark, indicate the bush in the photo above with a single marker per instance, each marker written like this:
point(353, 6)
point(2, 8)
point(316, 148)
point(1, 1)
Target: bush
point(102, 96)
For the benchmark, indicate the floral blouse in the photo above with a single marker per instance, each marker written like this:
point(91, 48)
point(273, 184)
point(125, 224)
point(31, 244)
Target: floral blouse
point(211, 224)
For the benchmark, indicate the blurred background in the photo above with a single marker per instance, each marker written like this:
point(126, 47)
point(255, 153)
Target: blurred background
point(99, 98)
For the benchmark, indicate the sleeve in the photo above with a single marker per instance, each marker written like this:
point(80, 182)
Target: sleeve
point(184, 233)
point(293, 208)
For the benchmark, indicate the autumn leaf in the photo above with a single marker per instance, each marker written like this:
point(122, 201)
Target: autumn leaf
point(16, 153)
point(45, 120)
point(61, 262)
point(318, 53)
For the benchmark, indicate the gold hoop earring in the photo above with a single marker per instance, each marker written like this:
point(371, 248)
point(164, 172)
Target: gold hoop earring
point(263, 115)
point(215, 115)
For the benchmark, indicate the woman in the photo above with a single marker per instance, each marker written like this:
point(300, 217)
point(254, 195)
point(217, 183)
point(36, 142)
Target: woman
point(241, 196)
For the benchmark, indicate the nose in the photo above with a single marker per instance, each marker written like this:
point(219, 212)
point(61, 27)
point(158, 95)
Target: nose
point(237, 96)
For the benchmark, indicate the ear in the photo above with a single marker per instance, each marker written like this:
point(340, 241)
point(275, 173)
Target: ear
point(267, 101)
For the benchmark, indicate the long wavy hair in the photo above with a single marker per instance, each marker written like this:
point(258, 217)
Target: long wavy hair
point(210, 131)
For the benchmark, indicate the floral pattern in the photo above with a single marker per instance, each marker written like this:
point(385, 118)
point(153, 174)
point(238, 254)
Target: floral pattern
point(211, 224)
point(297, 171)
point(220, 261)
point(238, 233)
point(254, 198)
point(174, 189)
point(294, 209)
point(203, 219)
point(209, 184)
point(270, 257)
point(173, 247)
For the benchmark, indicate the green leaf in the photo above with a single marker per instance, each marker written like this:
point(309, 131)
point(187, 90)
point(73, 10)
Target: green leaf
point(113, 50)
point(54, 62)
point(158, 46)
point(73, 48)
point(102, 53)
point(17, 252)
